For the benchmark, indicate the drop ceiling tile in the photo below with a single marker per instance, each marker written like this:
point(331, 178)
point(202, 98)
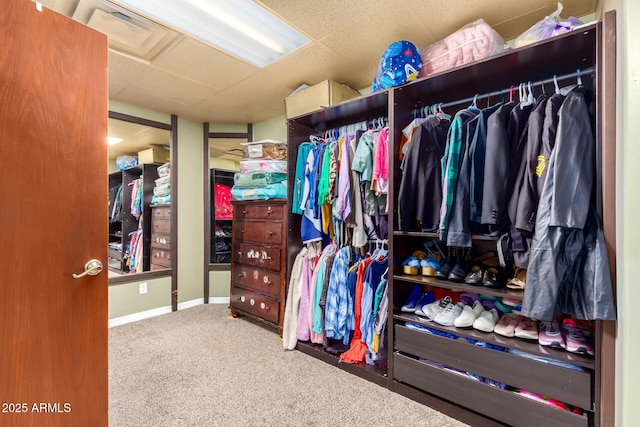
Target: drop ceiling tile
point(451, 15)
point(310, 65)
point(141, 98)
point(319, 19)
point(171, 86)
point(363, 49)
point(204, 64)
point(123, 69)
point(224, 108)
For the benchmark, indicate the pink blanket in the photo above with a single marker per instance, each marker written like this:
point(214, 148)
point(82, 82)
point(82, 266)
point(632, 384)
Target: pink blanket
point(470, 43)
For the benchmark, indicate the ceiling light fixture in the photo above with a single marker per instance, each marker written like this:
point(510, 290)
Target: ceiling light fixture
point(239, 27)
point(112, 140)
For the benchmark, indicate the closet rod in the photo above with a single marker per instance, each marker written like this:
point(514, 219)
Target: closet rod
point(573, 75)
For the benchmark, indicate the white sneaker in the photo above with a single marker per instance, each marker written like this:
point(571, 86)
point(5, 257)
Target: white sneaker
point(469, 315)
point(487, 320)
point(449, 314)
point(432, 309)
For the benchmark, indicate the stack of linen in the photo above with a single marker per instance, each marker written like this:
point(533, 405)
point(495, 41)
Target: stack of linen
point(162, 190)
point(263, 171)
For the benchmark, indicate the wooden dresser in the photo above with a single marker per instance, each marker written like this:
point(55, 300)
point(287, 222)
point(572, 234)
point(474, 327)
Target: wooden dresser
point(160, 237)
point(259, 256)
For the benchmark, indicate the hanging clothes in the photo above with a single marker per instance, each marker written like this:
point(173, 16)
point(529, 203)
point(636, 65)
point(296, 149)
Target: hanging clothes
point(496, 170)
point(420, 191)
point(450, 164)
point(568, 268)
point(292, 306)
point(357, 349)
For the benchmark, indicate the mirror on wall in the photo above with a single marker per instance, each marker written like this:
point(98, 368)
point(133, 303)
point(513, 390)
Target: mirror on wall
point(139, 197)
point(225, 154)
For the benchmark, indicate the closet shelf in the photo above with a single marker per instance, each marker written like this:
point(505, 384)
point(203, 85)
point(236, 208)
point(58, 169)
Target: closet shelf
point(513, 343)
point(461, 287)
point(373, 373)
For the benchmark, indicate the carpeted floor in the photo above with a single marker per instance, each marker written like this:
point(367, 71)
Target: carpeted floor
point(198, 367)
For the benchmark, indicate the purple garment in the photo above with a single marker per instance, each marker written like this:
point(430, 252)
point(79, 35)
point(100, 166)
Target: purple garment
point(303, 331)
point(344, 181)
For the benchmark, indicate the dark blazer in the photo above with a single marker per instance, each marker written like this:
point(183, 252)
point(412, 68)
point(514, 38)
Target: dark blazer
point(420, 193)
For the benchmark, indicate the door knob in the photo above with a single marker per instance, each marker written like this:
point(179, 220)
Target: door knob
point(91, 268)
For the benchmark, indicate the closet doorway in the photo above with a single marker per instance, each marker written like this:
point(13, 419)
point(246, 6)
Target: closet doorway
point(143, 232)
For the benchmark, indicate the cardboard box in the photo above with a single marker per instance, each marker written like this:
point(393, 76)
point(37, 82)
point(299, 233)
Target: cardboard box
point(317, 97)
point(154, 155)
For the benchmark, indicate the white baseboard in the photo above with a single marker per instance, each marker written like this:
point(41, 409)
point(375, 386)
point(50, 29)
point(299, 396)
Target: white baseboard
point(189, 304)
point(123, 320)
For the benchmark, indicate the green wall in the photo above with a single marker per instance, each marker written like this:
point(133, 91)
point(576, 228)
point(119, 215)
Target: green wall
point(190, 211)
point(271, 129)
point(125, 298)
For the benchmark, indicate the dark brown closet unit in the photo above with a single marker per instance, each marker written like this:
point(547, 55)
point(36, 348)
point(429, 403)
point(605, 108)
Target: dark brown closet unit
point(258, 261)
point(129, 224)
point(477, 403)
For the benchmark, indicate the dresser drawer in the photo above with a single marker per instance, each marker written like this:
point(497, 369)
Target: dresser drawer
point(257, 256)
point(160, 225)
point(258, 305)
point(270, 212)
point(161, 256)
point(261, 281)
point(161, 212)
point(258, 231)
point(161, 241)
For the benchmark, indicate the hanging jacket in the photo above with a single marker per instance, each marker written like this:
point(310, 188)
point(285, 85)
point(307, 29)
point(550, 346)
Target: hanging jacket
point(478, 152)
point(568, 255)
point(298, 181)
point(450, 164)
point(420, 193)
point(459, 234)
point(496, 169)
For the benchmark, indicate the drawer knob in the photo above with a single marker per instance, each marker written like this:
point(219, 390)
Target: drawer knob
point(271, 233)
point(244, 212)
point(239, 274)
point(241, 298)
point(242, 231)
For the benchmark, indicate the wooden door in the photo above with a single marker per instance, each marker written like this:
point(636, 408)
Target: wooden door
point(53, 219)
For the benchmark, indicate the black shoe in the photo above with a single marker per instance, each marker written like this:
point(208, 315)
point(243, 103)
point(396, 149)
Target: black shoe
point(493, 278)
point(445, 268)
point(458, 272)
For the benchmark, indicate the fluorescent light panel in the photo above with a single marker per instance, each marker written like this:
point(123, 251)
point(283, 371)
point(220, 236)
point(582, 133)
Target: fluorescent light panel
point(239, 27)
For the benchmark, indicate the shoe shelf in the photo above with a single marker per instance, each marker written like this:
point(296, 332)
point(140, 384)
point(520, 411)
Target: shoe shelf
point(373, 373)
point(460, 287)
point(531, 347)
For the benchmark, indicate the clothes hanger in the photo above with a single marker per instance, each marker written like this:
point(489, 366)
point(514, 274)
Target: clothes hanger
point(442, 114)
point(511, 93)
point(579, 78)
point(475, 101)
point(555, 84)
point(544, 91)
